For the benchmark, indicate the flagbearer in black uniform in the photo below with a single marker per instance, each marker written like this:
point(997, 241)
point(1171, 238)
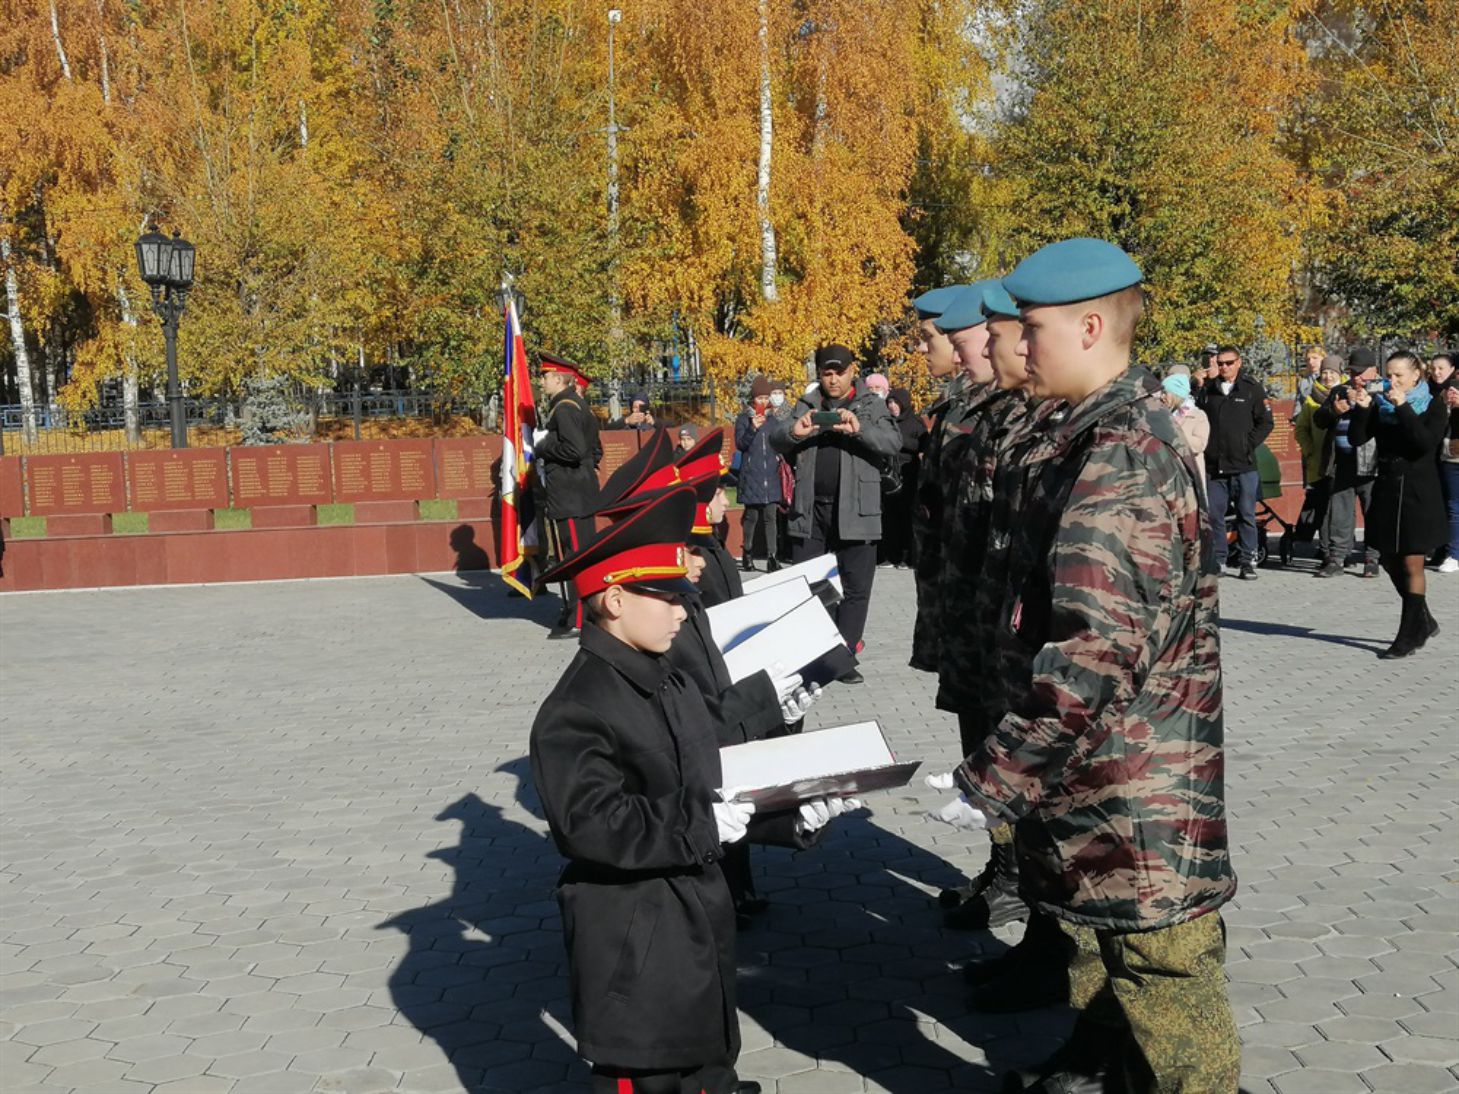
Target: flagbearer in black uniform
point(566, 451)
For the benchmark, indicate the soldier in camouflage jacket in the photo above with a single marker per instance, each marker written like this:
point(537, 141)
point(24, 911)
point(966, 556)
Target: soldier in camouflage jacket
point(947, 415)
point(1112, 752)
point(967, 505)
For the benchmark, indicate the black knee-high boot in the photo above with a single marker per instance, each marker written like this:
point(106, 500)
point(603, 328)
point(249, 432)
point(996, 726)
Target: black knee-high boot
point(1413, 628)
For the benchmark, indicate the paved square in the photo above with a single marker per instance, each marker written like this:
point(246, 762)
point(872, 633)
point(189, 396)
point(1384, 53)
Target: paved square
point(279, 838)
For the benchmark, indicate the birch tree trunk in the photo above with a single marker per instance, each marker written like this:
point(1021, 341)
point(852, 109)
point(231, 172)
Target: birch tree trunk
point(23, 378)
point(56, 37)
point(768, 257)
point(131, 399)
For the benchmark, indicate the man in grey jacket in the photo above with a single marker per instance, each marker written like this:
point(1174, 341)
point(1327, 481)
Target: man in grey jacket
point(837, 504)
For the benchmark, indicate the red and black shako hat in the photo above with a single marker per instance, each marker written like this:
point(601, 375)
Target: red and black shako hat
point(553, 363)
point(644, 551)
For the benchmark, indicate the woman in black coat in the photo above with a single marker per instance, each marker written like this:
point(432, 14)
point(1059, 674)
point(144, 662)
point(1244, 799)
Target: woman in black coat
point(759, 478)
point(1405, 521)
point(896, 540)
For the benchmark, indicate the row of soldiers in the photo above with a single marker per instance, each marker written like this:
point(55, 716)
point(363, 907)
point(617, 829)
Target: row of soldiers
point(1067, 604)
point(1066, 593)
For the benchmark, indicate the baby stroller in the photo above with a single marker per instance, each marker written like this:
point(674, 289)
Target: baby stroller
point(1270, 474)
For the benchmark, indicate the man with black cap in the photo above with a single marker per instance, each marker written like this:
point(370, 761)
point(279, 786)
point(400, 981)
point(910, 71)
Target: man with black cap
point(1241, 419)
point(566, 452)
point(1351, 468)
point(837, 503)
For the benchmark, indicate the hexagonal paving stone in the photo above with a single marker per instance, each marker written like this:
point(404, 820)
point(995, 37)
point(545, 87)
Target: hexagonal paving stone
point(55, 1031)
point(137, 1049)
point(1410, 1079)
point(1422, 1050)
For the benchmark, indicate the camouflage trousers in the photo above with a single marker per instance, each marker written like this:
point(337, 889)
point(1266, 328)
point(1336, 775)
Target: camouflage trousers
point(1162, 995)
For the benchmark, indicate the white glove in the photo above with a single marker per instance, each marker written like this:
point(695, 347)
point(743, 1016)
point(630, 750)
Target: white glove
point(939, 782)
point(538, 435)
point(960, 814)
point(819, 812)
point(732, 818)
point(795, 700)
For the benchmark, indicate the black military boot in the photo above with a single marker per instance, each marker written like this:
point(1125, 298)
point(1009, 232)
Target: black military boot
point(1429, 620)
point(1042, 944)
point(747, 564)
point(998, 903)
point(772, 565)
point(1083, 1066)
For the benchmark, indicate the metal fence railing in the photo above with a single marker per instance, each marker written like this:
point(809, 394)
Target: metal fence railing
point(56, 430)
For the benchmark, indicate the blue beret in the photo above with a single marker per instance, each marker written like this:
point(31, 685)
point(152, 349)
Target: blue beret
point(1071, 270)
point(967, 310)
point(996, 301)
point(934, 302)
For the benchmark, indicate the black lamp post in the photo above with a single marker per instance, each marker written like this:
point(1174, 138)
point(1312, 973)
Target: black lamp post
point(167, 268)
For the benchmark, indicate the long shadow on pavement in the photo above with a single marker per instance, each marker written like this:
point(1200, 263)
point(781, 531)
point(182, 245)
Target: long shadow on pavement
point(852, 966)
point(485, 595)
point(1287, 630)
point(484, 973)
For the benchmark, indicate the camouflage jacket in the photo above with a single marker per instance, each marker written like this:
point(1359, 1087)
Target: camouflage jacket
point(936, 482)
point(964, 539)
point(1111, 755)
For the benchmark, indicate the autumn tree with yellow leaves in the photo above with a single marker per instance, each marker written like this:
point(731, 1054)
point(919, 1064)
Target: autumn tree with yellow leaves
point(358, 176)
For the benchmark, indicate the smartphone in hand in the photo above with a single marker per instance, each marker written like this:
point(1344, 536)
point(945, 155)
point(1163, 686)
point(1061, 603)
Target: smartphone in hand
point(825, 417)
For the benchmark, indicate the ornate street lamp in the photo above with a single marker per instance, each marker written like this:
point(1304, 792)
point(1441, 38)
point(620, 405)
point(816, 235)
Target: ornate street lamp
point(166, 266)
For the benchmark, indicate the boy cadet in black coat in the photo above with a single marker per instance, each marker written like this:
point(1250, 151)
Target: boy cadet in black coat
point(567, 450)
point(625, 761)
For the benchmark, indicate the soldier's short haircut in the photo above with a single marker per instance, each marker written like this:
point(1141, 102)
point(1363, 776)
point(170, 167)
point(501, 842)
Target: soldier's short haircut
point(1121, 311)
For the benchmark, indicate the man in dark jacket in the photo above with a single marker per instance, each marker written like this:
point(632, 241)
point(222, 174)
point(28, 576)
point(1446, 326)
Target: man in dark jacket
point(837, 505)
point(759, 478)
point(566, 452)
point(1240, 420)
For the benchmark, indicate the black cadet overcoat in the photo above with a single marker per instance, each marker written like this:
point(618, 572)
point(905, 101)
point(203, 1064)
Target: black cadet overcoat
point(721, 579)
point(744, 711)
point(626, 764)
point(568, 457)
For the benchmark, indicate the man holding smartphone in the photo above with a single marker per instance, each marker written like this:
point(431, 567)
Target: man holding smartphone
point(838, 438)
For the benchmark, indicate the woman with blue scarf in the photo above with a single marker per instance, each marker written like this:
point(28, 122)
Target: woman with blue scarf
point(1405, 522)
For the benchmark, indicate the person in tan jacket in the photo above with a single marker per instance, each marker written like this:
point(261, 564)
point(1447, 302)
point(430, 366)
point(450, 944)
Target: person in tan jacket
point(1194, 425)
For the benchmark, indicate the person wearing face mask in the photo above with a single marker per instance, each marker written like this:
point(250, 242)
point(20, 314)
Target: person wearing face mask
point(837, 503)
point(759, 477)
point(878, 385)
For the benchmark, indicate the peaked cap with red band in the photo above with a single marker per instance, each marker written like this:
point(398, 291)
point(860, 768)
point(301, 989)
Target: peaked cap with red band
point(643, 467)
point(696, 467)
point(553, 363)
point(643, 551)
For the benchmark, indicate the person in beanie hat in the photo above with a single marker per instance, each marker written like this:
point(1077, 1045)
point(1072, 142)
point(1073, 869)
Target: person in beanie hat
point(878, 385)
point(759, 477)
point(1349, 468)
